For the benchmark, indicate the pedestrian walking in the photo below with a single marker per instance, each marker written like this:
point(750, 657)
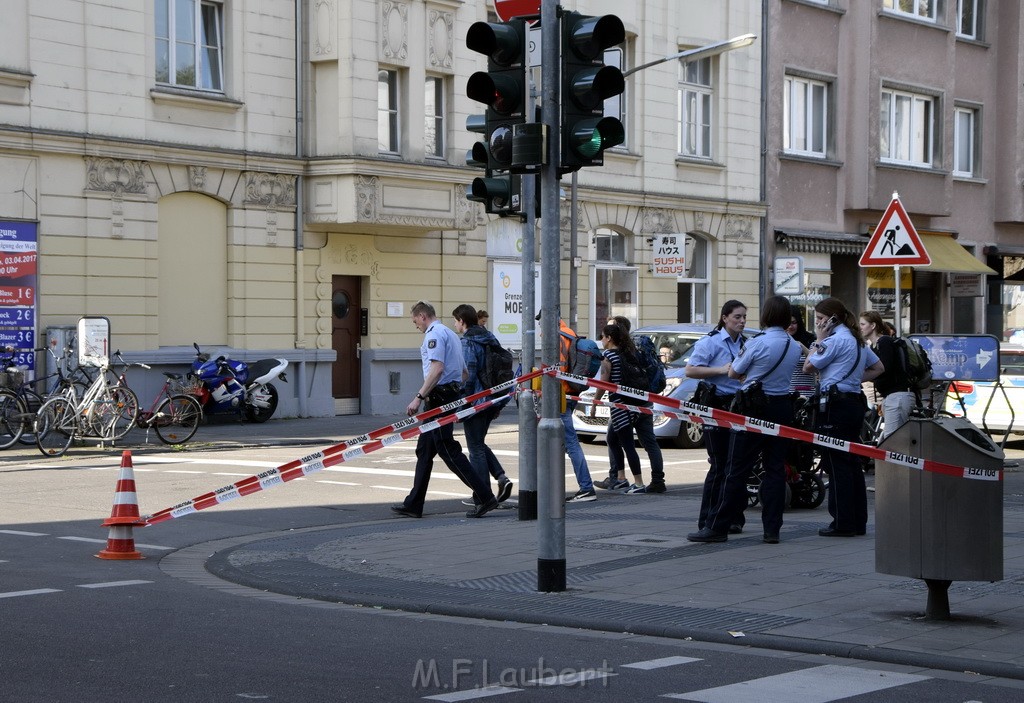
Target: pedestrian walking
point(892, 384)
point(475, 340)
point(482, 317)
point(618, 351)
point(643, 425)
point(764, 367)
point(843, 361)
point(580, 468)
point(710, 361)
point(444, 370)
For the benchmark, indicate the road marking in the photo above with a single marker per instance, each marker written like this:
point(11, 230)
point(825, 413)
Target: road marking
point(226, 473)
point(571, 679)
point(820, 684)
point(392, 488)
point(112, 584)
point(341, 483)
point(660, 663)
point(36, 592)
point(72, 538)
point(182, 471)
point(484, 692)
point(19, 533)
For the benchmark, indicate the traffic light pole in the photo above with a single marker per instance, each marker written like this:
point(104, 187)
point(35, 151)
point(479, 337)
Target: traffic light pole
point(550, 451)
point(527, 403)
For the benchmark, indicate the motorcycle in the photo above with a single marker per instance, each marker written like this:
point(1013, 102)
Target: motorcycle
point(225, 385)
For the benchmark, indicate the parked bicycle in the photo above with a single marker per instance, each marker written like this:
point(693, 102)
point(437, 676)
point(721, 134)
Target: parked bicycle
point(32, 393)
point(174, 415)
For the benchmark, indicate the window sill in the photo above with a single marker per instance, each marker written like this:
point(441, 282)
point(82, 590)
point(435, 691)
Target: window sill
point(913, 19)
point(927, 170)
point(194, 98)
point(973, 180)
point(698, 162)
point(807, 159)
point(15, 86)
point(827, 6)
point(973, 41)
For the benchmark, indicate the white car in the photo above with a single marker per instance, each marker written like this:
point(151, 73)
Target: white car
point(997, 410)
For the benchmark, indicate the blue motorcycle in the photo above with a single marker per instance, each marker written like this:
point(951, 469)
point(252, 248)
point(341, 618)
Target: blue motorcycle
point(223, 385)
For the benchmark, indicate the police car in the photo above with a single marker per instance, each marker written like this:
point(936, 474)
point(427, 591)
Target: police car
point(997, 410)
point(676, 341)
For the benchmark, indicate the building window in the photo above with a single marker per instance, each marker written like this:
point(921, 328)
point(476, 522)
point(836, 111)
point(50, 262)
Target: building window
point(387, 111)
point(695, 100)
point(434, 116)
point(693, 289)
point(805, 116)
point(925, 9)
point(190, 44)
point(968, 13)
point(965, 142)
point(907, 128)
point(614, 283)
point(615, 106)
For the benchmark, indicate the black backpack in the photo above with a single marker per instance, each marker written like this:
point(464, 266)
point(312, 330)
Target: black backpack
point(633, 374)
point(497, 366)
point(651, 364)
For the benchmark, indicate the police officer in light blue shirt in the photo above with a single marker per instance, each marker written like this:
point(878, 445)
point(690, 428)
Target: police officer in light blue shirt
point(843, 361)
point(443, 370)
point(767, 361)
point(710, 361)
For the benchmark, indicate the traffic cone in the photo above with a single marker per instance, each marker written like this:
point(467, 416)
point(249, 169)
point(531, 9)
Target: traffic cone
point(123, 516)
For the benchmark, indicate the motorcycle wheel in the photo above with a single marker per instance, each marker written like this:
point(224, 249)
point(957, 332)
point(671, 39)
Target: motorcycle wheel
point(265, 392)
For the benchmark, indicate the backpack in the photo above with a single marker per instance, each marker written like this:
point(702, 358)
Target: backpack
point(632, 373)
point(914, 363)
point(650, 362)
point(583, 359)
point(497, 366)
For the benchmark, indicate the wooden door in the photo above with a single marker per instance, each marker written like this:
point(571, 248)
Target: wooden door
point(345, 339)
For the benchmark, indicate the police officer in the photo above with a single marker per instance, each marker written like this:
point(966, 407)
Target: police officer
point(766, 362)
point(710, 361)
point(843, 361)
point(444, 370)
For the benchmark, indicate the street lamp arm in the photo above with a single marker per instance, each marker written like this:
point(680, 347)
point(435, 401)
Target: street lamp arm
point(701, 52)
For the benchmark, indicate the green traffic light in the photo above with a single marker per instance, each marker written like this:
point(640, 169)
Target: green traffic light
point(591, 137)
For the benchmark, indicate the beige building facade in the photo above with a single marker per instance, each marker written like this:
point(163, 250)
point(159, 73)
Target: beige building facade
point(192, 181)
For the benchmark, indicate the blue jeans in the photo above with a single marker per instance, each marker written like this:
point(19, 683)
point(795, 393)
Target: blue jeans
point(574, 450)
point(480, 455)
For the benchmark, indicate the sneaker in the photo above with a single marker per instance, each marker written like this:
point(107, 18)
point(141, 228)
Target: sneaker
point(636, 488)
point(655, 487)
point(582, 497)
point(470, 502)
point(504, 490)
point(706, 534)
point(619, 485)
point(735, 529)
point(483, 509)
point(402, 510)
point(605, 483)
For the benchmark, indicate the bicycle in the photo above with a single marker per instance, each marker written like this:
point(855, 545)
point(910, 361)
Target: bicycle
point(14, 378)
point(175, 416)
point(106, 411)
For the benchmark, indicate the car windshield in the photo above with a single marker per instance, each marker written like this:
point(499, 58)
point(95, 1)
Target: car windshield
point(674, 347)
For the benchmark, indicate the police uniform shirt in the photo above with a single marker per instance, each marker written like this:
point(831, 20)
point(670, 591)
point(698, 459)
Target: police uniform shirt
point(718, 349)
point(760, 354)
point(836, 355)
point(442, 344)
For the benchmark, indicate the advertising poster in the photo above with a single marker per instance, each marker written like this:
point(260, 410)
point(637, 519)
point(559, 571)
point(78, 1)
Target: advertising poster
point(18, 280)
point(506, 321)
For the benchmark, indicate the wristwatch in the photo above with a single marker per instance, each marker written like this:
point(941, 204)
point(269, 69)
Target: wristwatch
point(420, 396)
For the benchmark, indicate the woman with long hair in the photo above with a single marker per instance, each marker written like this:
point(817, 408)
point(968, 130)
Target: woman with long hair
point(892, 384)
point(765, 365)
point(710, 361)
point(842, 362)
point(618, 350)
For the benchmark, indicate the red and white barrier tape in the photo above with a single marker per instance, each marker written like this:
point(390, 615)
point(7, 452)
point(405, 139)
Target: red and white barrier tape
point(722, 418)
point(343, 451)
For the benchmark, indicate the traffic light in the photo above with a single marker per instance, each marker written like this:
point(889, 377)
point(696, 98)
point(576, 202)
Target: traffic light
point(502, 88)
point(586, 83)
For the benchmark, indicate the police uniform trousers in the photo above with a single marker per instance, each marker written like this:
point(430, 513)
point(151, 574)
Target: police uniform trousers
point(847, 492)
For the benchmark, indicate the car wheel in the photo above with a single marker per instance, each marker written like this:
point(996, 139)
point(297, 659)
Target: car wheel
point(691, 436)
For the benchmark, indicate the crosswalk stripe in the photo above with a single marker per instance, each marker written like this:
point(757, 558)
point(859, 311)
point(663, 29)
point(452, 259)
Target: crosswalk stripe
point(660, 663)
point(820, 684)
point(35, 592)
point(571, 679)
point(472, 694)
point(112, 584)
point(21, 533)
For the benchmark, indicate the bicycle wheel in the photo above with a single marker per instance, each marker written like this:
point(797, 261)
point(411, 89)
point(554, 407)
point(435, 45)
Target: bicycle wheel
point(12, 423)
point(177, 419)
point(55, 426)
point(33, 401)
point(115, 414)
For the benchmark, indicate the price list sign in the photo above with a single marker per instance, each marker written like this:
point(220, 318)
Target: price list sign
point(18, 280)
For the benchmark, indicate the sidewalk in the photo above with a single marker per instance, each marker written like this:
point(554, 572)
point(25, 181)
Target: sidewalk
point(630, 568)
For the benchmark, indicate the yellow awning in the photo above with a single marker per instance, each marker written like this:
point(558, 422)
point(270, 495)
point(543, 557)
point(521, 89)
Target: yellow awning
point(948, 256)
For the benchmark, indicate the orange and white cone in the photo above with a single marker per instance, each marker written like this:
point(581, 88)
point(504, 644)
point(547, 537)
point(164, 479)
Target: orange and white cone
point(123, 516)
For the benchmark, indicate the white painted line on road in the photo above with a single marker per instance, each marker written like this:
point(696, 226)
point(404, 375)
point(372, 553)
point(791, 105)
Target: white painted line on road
point(571, 679)
point(660, 663)
point(19, 533)
point(392, 488)
point(341, 483)
point(112, 584)
point(820, 684)
point(227, 473)
point(36, 592)
point(472, 694)
point(83, 539)
point(182, 471)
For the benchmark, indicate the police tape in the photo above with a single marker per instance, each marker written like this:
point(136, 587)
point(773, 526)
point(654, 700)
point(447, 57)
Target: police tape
point(345, 451)
point(705, 415)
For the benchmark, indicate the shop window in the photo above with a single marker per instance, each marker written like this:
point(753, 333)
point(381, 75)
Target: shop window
point(614, 284)
point(693, 290)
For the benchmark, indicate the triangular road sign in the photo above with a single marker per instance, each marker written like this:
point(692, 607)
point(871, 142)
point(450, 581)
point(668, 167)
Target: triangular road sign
point(895, 242)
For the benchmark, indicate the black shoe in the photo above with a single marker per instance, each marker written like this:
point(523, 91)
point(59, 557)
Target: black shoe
point(656, 487)
point(735, 529)
point(861, 533)
point(770, 538)
point(504, 490)
point(483, 509)
point(833, 532)
point(407, 512)
point(706, 534)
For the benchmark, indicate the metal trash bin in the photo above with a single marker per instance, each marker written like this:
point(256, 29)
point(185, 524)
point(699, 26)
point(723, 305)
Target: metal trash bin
point(936, 527)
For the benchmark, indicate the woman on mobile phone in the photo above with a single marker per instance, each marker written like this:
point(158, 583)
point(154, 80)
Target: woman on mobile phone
point(843, 362)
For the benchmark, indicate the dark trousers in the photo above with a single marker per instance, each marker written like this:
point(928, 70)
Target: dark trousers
point(847, 493)
point(441, 443)
point(621, 444)
point(744, 448)
point(716, 441)
point(644, 426)
point(480, 455)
